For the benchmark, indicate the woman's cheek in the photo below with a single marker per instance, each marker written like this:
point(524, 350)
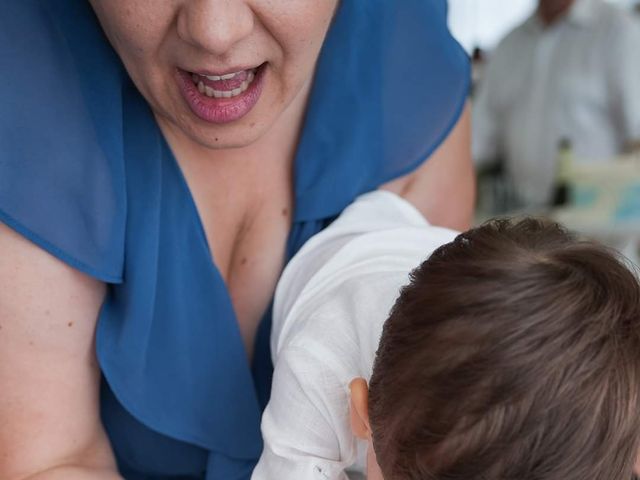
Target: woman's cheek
point(300, 26)
point(136, 28)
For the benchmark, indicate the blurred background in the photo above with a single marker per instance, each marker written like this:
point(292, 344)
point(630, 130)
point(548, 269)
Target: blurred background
point(556, 122)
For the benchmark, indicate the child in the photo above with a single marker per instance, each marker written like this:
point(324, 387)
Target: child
point(513, 354)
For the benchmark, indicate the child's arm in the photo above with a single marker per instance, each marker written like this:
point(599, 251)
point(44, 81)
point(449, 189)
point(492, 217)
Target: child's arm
point(304, 424)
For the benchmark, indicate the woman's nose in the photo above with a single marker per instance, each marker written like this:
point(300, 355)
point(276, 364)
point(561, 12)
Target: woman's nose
point(215, 25)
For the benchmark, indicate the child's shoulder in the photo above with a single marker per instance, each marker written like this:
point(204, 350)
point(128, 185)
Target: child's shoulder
point(352, 273)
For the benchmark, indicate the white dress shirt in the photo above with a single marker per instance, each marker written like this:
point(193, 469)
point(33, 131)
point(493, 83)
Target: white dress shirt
point(577, 79)
point(330, 306)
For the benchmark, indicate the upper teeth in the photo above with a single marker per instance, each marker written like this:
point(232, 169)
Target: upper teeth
point(215, 78)
point(210, 92)
point(228, 76)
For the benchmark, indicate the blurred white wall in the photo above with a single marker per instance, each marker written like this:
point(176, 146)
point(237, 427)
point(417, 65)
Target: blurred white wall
point(484, 22)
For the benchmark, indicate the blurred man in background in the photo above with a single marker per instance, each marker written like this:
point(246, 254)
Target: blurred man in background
point(571, 73)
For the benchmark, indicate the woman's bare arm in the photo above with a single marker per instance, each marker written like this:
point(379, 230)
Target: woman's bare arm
point(444, 187)
point(49, 378)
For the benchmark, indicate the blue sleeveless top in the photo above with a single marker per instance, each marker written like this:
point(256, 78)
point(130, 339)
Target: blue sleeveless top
point(86, 174)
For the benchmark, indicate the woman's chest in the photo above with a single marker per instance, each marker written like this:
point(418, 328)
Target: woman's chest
point(246, 224)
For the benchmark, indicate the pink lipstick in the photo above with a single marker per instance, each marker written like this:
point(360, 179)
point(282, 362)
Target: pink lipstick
point(222, 98)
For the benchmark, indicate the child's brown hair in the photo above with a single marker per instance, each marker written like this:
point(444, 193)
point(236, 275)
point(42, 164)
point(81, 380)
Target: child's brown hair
point(514, 354)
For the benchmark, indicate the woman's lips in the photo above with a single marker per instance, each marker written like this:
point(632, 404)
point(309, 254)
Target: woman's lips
point(234, 100)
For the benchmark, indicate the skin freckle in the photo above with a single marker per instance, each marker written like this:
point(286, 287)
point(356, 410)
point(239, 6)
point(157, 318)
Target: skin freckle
point(70, 324)
point(243, 261)
point(285, 212)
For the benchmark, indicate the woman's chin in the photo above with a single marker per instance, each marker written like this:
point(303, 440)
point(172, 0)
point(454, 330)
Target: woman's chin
point(242, 133)
point(187, 127)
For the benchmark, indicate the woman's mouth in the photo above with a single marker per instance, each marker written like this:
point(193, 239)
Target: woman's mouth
point(222, 98)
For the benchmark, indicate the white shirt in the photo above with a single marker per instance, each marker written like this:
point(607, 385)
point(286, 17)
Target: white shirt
point(577, 79)
point(330, 306)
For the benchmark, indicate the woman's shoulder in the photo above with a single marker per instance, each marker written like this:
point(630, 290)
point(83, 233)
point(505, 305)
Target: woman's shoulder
point(404, 93)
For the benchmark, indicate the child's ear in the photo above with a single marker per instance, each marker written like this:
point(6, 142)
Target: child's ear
point(360, 408)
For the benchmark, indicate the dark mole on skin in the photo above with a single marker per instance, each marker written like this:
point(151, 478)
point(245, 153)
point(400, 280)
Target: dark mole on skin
point(70, 324)
point(285, 212)
point(243, 261)
point(216, 139)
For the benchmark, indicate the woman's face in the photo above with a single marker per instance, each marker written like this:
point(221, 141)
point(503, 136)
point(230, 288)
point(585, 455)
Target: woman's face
point(221, 71)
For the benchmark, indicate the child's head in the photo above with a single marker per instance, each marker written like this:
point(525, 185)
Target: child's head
point(514, 354)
